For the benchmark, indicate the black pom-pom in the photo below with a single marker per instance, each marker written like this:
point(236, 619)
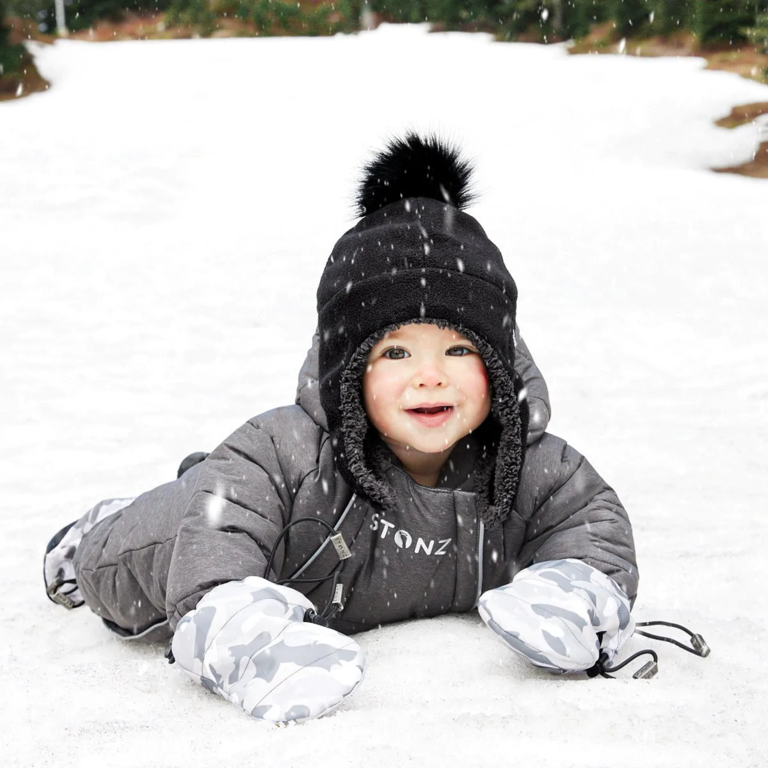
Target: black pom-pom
point(415, 167)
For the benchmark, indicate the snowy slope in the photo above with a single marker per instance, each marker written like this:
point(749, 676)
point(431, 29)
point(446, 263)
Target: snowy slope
point(165, 212)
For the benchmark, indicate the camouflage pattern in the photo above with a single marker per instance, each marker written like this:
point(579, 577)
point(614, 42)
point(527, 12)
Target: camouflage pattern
point(248, 641)
point(58, 565)
point(552, 613)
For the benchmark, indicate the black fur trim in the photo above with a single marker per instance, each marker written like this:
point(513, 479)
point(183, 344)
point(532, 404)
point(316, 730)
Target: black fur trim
point(357, 436)
point(502, 435)
point(415, 166)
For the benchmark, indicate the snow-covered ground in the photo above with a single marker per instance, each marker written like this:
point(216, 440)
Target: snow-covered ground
point(165, 213)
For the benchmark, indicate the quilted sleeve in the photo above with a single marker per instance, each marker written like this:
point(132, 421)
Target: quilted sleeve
point(571, 512)
point(239, 506)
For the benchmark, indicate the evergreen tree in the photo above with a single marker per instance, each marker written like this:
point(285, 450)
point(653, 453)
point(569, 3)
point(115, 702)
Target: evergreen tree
point(81, 14)
point(759, 33)
point(401, 11)
point(11, 56)
point(723, 21)
point(631, 16)
point(713, 21)
point(518, 17)
point(581, 15)
point(672, 16)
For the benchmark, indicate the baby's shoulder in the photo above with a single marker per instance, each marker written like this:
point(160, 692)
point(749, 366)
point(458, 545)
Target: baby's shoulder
point(548, 450)
point(549, 464)
point(292, 431)
point(284, 442)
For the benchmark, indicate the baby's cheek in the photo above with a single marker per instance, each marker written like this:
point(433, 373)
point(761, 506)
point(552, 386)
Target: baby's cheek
point(376, 399)
point(479, 381)
point(482, 393)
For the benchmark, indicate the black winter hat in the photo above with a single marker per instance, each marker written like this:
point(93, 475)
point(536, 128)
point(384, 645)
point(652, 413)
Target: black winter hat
point(413, 257)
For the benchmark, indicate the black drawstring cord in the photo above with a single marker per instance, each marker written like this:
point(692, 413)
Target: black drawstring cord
point(699, 645)
point(699, 648)
point(335, 601)
point(332, 607)
point(644, 673)
point(62, 598)
point(284, 533)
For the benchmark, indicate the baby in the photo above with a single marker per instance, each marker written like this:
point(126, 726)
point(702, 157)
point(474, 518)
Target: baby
point(408, 481)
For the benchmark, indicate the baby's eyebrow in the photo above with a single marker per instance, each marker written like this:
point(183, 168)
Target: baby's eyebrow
point(392, 336)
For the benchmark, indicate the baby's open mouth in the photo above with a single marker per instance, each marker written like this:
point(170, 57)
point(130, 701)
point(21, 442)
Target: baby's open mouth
point(431, 415)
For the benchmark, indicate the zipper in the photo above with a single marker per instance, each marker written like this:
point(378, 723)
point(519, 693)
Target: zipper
point(480, 543)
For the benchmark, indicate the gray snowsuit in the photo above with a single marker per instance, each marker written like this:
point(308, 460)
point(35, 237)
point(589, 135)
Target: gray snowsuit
point(239, 559)
point(143, 568)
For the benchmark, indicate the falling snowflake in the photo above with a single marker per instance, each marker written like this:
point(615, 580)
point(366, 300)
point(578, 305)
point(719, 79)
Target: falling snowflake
point(214, 510)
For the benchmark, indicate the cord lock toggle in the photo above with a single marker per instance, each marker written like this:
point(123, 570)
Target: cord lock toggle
point(698, 642)
point(647, 671)
point(342, 550)
point(60, 597)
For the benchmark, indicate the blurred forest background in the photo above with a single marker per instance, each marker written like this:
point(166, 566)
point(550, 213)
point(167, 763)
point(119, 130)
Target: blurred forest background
point(733, 30)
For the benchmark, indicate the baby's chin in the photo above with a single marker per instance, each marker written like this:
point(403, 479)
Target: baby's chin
point(425, 447)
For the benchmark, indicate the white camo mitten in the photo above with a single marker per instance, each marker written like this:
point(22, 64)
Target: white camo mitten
point(59, 562)
point(560, 615)
point(248, 641)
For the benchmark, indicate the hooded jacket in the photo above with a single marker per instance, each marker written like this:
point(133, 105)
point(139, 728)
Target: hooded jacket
point(146, 566)
point(264, 501)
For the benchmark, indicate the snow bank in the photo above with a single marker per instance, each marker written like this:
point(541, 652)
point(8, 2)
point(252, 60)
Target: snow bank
point(165, 212)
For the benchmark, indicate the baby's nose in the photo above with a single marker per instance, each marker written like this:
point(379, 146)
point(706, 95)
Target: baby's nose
point(430, 376)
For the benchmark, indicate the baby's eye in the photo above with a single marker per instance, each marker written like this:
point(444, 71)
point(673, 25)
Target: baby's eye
point(396, 353)
point(458, 351)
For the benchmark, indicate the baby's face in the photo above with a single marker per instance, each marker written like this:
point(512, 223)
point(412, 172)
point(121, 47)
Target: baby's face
point(425, 388)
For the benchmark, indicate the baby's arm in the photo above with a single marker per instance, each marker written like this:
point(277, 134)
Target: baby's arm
point(235, 633)
point(535, 387)
point(576, 574)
